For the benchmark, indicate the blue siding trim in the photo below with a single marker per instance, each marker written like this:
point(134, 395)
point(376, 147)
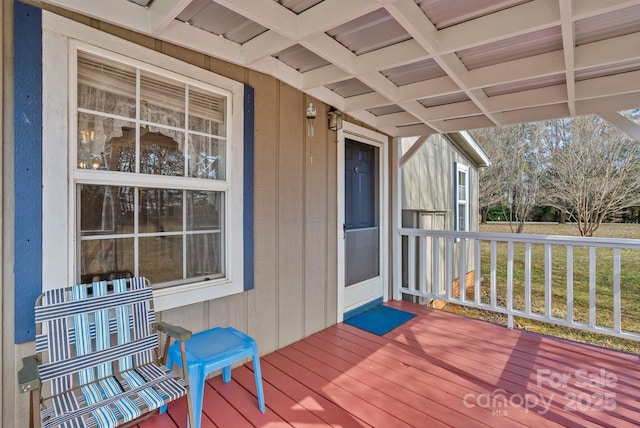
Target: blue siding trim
point(361, 309)
point(27, 167)
point(248, 187)
point(455, 196)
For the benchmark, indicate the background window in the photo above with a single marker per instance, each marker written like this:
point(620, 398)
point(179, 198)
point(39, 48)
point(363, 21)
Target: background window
point(461, 197)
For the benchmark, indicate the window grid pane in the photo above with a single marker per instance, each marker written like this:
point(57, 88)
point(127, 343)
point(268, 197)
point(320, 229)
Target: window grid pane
point(170, 235)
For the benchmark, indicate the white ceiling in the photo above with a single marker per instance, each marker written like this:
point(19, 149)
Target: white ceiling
point(411, 67)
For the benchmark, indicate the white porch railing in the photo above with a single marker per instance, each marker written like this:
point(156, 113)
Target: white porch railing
point(527, 276)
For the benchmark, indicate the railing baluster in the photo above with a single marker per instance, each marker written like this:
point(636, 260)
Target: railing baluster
point(477, 277)
point(547, 280)
point(592, 287)
point(448, 269)
point(494, 257)
point(435, 265)
point(570, 283)
point(527, 277)
point(617, 299)
point(422, 266)
point(510, 284)
point(411, 265)
point(462, 269)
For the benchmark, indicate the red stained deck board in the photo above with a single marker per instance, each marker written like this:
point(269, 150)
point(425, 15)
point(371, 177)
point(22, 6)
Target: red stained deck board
point(324, 408)
point(349, 401)
point(216, 408)
point(438, 394)
point(346, 377)
point(296, 414)
point(245, 403)
point(420, 399)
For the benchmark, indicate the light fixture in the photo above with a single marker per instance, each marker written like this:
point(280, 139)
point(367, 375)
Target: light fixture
point(335, 119)
point(311, 115)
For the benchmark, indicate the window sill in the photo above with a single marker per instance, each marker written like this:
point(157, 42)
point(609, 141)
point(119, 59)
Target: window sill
point(187, 294)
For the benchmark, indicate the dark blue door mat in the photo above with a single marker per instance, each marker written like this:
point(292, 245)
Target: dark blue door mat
point(380, 320)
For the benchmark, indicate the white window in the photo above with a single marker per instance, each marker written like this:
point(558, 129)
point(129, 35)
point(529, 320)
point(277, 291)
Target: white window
point(155, 168)
point(461, 197)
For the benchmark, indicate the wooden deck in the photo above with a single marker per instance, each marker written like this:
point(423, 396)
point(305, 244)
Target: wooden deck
point(436, 370)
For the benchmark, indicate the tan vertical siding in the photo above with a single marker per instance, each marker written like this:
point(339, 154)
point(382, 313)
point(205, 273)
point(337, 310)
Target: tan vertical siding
point(291, 215)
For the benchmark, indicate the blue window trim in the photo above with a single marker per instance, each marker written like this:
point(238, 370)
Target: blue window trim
point(27, 167)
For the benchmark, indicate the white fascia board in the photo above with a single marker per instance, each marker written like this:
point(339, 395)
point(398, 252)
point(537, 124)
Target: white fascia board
point(470, 146)
point(118, 12)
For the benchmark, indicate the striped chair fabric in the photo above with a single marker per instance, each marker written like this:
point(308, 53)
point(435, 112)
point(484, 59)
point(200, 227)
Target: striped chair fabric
point(97, 352)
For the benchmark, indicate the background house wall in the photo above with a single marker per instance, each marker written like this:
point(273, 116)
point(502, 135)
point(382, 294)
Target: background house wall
point(295, 227)
point(428, 197)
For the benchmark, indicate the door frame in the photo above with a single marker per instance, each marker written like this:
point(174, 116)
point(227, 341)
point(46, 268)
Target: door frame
point(381, 141)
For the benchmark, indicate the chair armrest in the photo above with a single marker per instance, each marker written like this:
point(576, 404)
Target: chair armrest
point(28, 377)
point(176, 332)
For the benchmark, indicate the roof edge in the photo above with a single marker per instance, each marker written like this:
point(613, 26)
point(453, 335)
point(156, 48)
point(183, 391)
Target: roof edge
point(470, 147)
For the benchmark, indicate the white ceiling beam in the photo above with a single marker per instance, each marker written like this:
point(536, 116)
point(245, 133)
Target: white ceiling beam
point(267, 13)
point(411, 151)
point(419, 111)
point(309, 23)
point(525, 99)
point(609, 85)
point(585, 9)
point(464, 124)
point(413, 130)
point(163, 12)
point(323, 76)
point(536, 114)
point(199, 40)
point(326, 47)
point(402, 53)
point(606, 52)
point(429, 88)
point(410, 16)
point(279, 70)
point(521, 69)
point(568, 48)
point(449, 111)
point(500, 25)
point(611, 103)
point(395, 119)
point(263, 46)
point(365, 101)
point(381, 84)
point(625, 125)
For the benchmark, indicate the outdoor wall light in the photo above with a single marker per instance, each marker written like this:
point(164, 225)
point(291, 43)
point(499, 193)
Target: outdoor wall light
point(311, 115)
point(335, 119)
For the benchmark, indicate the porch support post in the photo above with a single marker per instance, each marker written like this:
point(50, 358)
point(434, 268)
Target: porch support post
point(396, 218)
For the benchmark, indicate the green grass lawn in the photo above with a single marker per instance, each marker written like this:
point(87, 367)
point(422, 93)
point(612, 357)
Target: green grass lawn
point(630, 284)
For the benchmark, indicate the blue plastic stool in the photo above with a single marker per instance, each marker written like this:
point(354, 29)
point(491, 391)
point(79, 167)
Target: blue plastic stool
point(212, 350)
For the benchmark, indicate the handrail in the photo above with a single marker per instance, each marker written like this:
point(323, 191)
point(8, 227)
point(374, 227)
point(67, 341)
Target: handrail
point(434, 262)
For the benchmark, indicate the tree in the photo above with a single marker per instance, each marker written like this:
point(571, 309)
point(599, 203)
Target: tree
point(513, 179)
point(594, 171)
